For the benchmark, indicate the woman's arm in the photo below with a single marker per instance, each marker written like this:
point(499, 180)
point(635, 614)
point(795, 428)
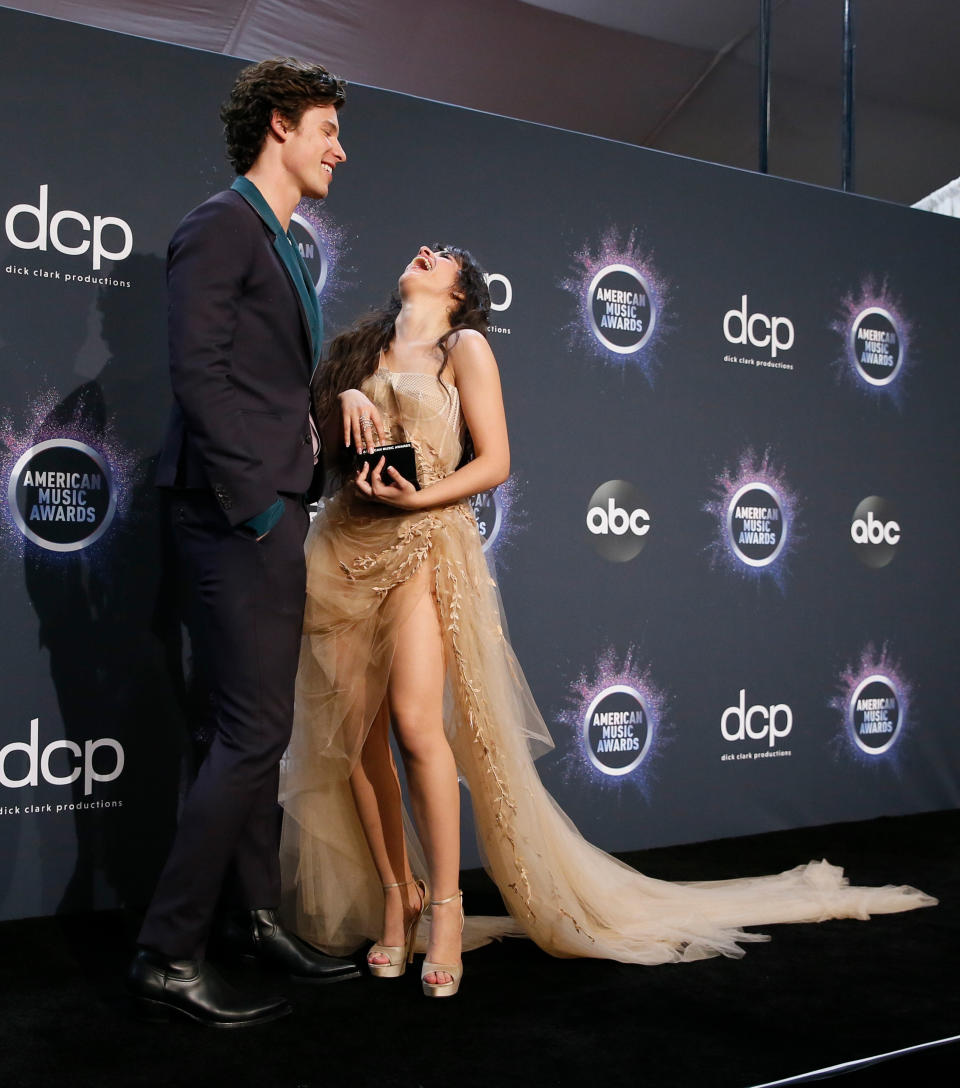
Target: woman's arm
point(478, 382)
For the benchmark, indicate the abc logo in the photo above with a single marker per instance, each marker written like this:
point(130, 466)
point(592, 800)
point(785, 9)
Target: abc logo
point(73, 240)
point(618, 521)
point(875, 714)
point(758, 329)
point(757, 722)
point(874, 532)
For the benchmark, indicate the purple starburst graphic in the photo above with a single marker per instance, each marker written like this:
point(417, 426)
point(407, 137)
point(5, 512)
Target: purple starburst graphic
point(628, 255)
point(752, 473)
point(327, 265)
point(79, 417)
point(873, 317)
point(871, 674)
point(610, 675)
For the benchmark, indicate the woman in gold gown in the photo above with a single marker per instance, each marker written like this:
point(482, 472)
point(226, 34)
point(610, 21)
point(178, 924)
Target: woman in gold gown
point(403, 627)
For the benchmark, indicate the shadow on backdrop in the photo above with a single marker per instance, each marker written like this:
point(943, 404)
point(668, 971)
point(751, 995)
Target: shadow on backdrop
point(108, 615)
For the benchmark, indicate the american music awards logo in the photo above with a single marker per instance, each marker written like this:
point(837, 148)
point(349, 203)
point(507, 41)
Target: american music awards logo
point(498, 514)
point(65, 483)
point(872, 700)
point(322, 244)
point(756, 524)
point(621, 299)
point(617, 720)
point(875, 338)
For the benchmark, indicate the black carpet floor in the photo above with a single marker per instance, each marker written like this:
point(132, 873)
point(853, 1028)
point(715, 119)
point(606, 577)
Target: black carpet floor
point(815, 996)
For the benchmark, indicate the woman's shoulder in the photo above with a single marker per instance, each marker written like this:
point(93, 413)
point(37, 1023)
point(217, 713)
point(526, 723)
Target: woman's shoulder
point(470, 350)
point(467, 338)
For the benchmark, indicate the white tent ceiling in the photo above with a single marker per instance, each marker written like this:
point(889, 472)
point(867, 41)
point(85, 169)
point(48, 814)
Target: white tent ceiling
point(678, 75)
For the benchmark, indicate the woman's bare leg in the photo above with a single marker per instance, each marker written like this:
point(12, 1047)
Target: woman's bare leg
point(415, 694)
point(376, 792)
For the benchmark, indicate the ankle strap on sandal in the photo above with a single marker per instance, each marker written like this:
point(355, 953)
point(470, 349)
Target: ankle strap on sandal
point(399, 884)
point(449, 899)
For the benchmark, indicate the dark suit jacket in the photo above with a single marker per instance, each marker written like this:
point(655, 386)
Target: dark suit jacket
point(240, 363)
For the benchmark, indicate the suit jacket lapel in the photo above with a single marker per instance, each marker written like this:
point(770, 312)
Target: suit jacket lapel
point(310, 305)
point(294, 265)
point(300, 278)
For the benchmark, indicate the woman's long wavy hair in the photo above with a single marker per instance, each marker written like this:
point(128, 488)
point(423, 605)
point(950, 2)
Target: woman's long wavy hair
point(355, 354)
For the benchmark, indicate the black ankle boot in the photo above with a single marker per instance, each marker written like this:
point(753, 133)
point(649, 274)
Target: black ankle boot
point(258, 933)
point(162, 988)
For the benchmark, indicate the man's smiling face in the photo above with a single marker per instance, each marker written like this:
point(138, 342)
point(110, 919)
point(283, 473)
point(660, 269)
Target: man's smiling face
point(312, 150)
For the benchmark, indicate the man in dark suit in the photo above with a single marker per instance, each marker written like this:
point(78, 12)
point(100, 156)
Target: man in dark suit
point(245, 332)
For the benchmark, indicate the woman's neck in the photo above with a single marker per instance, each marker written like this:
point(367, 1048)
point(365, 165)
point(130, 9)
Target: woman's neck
point(420, 324)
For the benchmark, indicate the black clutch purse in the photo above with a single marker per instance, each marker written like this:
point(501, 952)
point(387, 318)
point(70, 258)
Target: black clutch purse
point(399, 456)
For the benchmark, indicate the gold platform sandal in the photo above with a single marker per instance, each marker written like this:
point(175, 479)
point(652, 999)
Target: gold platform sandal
point(455, 971)
point(399, 956)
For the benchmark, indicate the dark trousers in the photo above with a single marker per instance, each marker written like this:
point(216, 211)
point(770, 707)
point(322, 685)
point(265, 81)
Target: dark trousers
point(245, 601)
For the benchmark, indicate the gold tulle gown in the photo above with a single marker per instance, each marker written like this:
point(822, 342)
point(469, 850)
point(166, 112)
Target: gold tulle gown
point(364, 573)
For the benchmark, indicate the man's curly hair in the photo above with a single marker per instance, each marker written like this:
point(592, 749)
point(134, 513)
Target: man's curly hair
point(283, 84)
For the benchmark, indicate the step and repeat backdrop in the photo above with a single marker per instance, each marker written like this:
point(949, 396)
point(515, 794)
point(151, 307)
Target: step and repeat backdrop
point(727, 548)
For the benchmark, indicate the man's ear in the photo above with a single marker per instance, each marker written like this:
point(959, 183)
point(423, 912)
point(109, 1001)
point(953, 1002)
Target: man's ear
point(279, 126)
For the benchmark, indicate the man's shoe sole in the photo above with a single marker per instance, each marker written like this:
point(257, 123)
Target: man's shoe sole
point(159, 1012)
point(323, 980)
point(320, 980)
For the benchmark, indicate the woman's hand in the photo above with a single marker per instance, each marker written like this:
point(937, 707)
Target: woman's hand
point(362, 425)
point(394, 491)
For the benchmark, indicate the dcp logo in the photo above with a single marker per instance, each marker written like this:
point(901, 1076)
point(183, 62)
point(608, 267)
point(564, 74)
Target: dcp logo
point(761, 331)
point(875, 714)
point(74, 239)
point(769, 723)
point(755, 522)
point(874, 532)
point(876, 345)
point(45, 764)
point(61, 495)
point(622, 314)
point(617, 730)
point(618, 521)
